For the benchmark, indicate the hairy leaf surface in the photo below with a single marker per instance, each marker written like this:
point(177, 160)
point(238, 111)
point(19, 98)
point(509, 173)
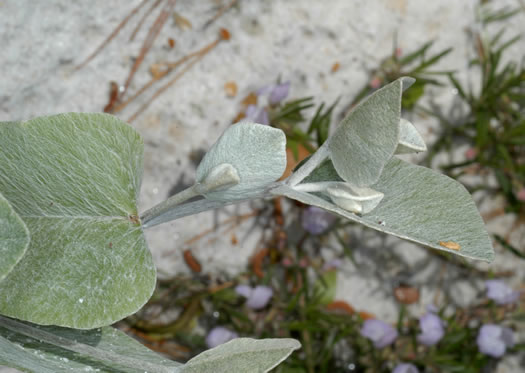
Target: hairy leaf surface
point(258, 154)
point(243, 355)
point(419, 205)
point(74, 181)
point(14, 237)
point(367, 138)
point(118, 352)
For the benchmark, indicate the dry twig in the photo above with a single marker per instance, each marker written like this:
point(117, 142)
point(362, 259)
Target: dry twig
point(112, 35)
point(219, 14)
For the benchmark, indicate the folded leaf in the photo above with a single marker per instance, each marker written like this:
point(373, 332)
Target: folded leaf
point(256, 152)
point(366, 139)
point(105, 349)
point(419, 205)
point(14, 237)
point(360, 200)
point(243, 355)
point(410, 141)
point(74, 179)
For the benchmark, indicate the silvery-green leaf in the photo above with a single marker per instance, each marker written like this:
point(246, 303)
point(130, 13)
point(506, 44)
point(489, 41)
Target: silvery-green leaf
point(407, 82)
point(361, 200)
point(97, 350)
point(74, 180)
point(221, 177)
point(366, 139)
point(419, 205)
point(244, 355)
point(258, 154)
point(14, 237)
point(410, 141)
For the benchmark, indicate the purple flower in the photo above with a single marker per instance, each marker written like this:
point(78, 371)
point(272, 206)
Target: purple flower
point(405, 368)
point(500, 293)
point(279, 92)
point(257, 297)
point(432, 329)
point(267, 95)
point(219, 335)
point(379, 332)
point(315, 220)
point(493, 340)
point(333, 264)
point(257, 115)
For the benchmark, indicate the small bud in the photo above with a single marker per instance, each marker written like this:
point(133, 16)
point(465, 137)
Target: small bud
point(410, 141)
point(222, 176)
point(354, 199)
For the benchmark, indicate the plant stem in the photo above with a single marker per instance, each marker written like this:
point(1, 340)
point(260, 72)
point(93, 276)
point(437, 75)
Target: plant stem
point(169, 204)
point(306, 337)
point(315, 160)
point(81, 348)
point(316, 187)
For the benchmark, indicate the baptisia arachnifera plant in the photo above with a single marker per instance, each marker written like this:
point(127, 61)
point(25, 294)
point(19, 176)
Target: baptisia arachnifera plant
point(73, 255)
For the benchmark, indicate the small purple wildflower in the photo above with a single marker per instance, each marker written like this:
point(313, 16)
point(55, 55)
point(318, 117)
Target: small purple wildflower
point(257, 298)
point(250, 112)
point(279, 92)
point(405, 368)
point(379, 332)
point(257, 115)
point(244, 290)
point(500, 292)
point(333, 264)
point(315, 220)
point(268, 95)
point(432, 329)
point(493, 340)
point(219, 335)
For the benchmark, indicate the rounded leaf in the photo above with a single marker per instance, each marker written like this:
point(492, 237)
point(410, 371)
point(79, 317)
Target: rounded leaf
point(367, 138)
point(256, 152)
point(74, 179)
point(14, 237)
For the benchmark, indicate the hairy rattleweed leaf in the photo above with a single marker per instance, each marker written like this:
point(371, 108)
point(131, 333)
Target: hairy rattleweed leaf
point(14, 237)
point(419, 205)
point(257, 153)
point(74, 180)
point(243, 355)
point(52, 349)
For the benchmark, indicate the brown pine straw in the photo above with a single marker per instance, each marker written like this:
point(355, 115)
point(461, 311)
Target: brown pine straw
point(148, 42)
point(224, 35)
point(112, 35)
point(169, 68)
point(219, 13)
point(141, 22)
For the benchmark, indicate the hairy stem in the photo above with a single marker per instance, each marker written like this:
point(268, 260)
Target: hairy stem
point(168, 205)
point(306, 169)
